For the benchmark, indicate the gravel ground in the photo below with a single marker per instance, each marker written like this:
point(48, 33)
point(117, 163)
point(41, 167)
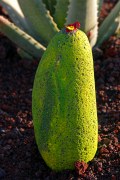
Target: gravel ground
point(19, 156)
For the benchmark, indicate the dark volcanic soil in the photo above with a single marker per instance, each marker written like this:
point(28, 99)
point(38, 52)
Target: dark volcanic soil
point(19, 156)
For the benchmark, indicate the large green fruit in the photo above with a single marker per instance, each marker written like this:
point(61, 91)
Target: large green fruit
point(64, 101)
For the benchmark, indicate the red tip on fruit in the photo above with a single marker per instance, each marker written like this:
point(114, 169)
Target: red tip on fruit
point(72, 27)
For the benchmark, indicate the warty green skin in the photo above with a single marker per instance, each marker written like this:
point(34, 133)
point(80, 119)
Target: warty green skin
point(64, 102)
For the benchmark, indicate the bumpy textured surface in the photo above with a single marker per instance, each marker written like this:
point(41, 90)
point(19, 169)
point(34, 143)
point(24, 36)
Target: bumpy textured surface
point(64, 102)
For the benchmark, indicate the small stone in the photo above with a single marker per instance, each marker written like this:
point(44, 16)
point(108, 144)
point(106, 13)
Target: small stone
point(104, 109)
point(2, 130)
point(113, 177)
point(115, 140)
point(99, 138)
point(22, 129)
point(105, 129)
point(102, 93)
point(106, 141)
point(99, 169)
point(100, 164)
point(116, 131)
point(99, 127)
point(9, 127)
point(104, 150)
point(80, 167)
point(111, 147)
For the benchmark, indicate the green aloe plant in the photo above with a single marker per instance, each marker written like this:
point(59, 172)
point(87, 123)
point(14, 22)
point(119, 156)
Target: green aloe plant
point(35, 22)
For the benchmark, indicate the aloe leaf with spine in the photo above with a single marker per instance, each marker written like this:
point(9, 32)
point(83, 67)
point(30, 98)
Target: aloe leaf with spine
point(42, 19)
point(25, 42)
point(100, 3)
point(109, 25)
point(17, 16)
point(60, 14)
point(85, 11)
point(39, 18)
point(50, 5)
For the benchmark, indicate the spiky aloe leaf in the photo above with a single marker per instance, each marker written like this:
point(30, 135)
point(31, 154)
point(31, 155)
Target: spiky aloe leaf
point(15, 13)
point(23, 40)
point(40, 18)
point(50, 4)
point(61, 10)
point(84, 11)
point(100, 3)
point(17, 16)
point(109, 25)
